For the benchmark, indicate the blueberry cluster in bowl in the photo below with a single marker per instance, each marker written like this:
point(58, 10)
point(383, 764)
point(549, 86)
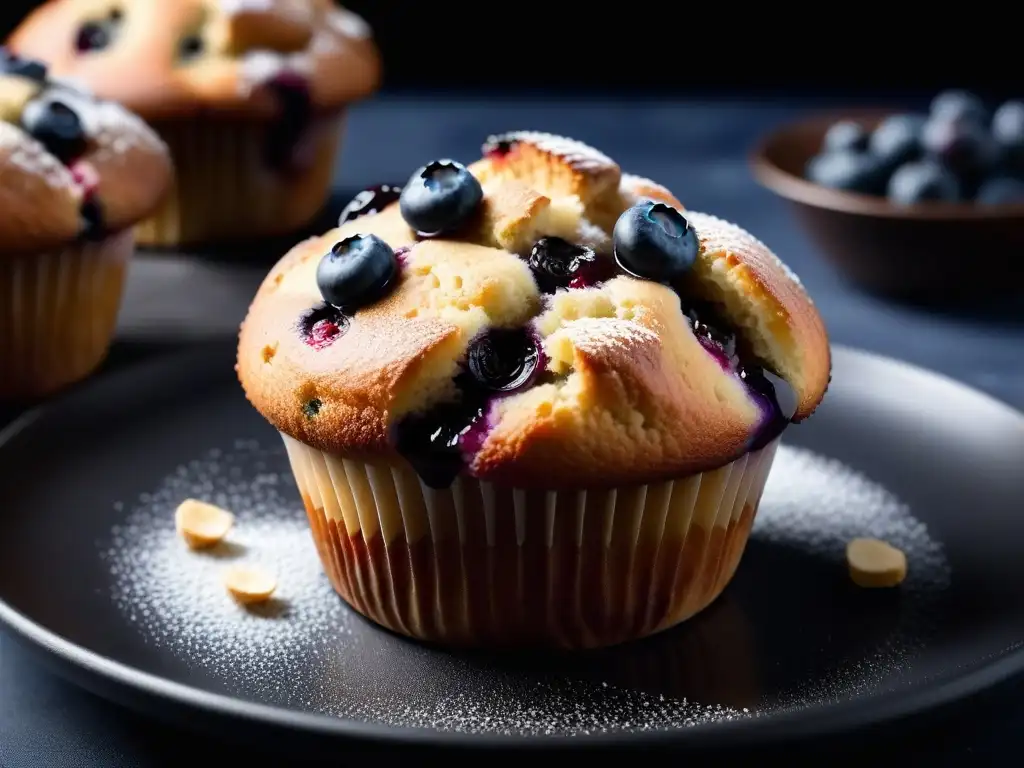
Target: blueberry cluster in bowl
point(960, 151)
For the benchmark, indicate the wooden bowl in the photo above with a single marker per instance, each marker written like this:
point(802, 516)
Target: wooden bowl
point(937, 253)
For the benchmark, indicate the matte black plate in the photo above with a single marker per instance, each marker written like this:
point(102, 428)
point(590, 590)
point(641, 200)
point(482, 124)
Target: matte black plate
point(92, 573)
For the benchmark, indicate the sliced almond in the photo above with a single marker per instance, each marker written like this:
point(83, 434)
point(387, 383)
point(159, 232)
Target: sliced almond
point(249, 584)
point(202, 525)
point(875, 563)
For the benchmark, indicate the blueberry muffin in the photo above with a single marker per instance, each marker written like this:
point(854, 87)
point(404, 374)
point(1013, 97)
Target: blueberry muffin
point(249, 95)
point(531, 401)
point(75, 175)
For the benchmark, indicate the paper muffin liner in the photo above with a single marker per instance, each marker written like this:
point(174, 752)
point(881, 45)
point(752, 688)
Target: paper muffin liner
point(478, 564)
point(58, 312)
point(224, 190)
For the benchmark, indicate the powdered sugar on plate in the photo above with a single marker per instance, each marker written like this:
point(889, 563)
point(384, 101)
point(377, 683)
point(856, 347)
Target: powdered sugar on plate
point(306, 650)
point(178, 595)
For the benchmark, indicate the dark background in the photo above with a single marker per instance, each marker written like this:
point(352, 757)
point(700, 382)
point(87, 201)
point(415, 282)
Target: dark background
point(681, 49)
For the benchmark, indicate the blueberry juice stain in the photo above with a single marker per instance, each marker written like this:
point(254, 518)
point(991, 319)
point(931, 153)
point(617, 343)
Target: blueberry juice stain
point(557, 263)
point(775, 396)
point(437, 443)
point(322, 326)
point(295, 117)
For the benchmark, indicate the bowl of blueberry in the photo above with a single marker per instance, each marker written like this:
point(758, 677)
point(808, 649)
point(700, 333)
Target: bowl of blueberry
point(922, 206)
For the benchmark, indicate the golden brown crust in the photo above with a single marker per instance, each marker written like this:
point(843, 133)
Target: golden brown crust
point(39, 200)
point(125, 169)
point(642, 401)
point(742, 272)
point(245, 43)
point(630, 395)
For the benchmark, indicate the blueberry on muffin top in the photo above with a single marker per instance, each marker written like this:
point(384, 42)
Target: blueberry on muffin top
point(173, 58)
point(536, 319)
point(71, 166)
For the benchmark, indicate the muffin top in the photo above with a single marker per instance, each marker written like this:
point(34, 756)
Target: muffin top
point(536, 319)
point(172, 58)
point(71, 166)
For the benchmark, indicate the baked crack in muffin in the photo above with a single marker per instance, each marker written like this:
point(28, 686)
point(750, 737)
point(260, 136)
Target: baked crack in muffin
point(250, 95)
point(531, 401)
point(76, 174)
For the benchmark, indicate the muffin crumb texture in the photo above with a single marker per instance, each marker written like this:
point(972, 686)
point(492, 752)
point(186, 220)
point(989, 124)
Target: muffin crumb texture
point(202, 525)
point(875, 563)
point(534, 317)
point(176, 57)
point(72, 167)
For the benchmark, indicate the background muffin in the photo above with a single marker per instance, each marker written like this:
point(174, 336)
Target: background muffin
point(248, 94)
point(511, 430)
point(75, 175)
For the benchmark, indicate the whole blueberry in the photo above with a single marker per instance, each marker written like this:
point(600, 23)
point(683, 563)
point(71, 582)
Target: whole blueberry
point(845, 135)
point(1004, 190)
point(1008, 131)
point(440, 198)
point(12, 64)
point(958, 104)
point(431, 441)
point(654, 241)
point(923, 181)
point(849, 171)
point(557, 263)
point(93, 36)
point(503, 360)
point(356, 272)
point(190, 46)
point(56, 126)
point(965, 147)
point(897, 139)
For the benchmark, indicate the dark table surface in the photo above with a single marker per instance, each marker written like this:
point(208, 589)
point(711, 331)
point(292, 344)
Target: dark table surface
point(699, 150)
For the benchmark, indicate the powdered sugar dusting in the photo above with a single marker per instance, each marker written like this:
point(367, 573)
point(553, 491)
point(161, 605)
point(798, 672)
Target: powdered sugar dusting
point(846, 504)
point(308, 651)
point(29, 156)
point(817, 504)
point(576, 154)
point(300, 10)
point(157, 577)
point(631, 184)
point(113, 130)
point(259, 67)
point(349, 24)
point(231, 7)
point(721, 236)
point(116, 131)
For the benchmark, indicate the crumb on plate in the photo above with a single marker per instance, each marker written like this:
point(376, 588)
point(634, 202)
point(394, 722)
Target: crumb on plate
point(248, 584)
point(875, 563)
point(202, 525)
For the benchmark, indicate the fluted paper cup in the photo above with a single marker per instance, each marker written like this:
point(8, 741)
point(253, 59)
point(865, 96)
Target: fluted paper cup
point(481, 565)
point(58, 312)
point(224, 190)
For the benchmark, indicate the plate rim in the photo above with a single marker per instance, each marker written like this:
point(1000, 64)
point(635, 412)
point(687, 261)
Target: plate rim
point(828, 719)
